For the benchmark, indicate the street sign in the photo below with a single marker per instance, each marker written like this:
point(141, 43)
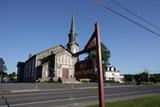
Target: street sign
point(88, 48)
point(85, 70)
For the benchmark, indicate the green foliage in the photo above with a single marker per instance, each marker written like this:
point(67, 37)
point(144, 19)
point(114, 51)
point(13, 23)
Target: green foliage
point(105, 54)
point(143, 77)
point(12, 76)
point(4, 74)
point(154, 78)
point(137, 79)
point(150, 101)
point(128, 78)
point(112, 82)
point(59, 80)
point(84, 80)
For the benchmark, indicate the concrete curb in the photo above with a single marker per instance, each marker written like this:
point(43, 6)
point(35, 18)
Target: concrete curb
point(45, 90)
point(53, 90)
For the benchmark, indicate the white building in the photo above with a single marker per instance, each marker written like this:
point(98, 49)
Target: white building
point(112, 73)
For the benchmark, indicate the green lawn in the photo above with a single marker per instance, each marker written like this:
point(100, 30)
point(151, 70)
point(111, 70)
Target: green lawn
point(150, 101)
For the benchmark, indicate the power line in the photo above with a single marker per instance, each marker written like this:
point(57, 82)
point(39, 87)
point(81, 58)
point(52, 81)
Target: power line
point(127, 18)
point(133, 13)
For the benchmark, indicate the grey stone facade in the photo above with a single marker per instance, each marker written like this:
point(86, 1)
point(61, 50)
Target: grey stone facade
point(52, 63)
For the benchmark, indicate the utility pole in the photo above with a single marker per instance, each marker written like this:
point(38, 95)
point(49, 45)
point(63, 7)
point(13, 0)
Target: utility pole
point(100, 72)
point(88, 49)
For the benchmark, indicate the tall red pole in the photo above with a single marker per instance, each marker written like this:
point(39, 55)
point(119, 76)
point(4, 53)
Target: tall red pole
point(100, 72)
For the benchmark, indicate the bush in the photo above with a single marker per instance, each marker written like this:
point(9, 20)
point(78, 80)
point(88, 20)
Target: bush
point(84, 80)
point(59, 80)
point(112, 82)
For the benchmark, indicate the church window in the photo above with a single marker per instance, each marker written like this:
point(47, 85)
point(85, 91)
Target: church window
point(32, 68)
point(59, 59)
point(67, 59)
point(71, 61)
point(77, 49)
point(46, 73)
point(29, 69)
point(25, 71)
point(74, 38)
point(58, 72)
point(74, 50)
point(62, 59)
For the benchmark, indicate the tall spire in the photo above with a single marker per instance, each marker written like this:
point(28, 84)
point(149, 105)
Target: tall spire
point(72, 34)
point(72, 43)
point(72, 25)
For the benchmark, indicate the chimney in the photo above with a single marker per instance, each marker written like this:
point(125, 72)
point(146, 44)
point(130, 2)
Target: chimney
point(30, 55)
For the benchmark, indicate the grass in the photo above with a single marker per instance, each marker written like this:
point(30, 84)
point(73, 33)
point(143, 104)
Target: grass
point(149, 101)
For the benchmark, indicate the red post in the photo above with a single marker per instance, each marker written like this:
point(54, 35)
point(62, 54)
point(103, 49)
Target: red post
point(100, 72)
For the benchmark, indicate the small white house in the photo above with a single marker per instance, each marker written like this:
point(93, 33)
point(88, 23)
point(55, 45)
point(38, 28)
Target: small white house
point(112, 73)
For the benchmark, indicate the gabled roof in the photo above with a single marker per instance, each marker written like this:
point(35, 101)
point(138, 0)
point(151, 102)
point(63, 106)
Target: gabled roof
point(55, 52)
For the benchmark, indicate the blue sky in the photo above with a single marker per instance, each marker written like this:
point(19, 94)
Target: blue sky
point(31, 26)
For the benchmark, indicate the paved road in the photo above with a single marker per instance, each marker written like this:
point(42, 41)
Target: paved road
point(75, 97)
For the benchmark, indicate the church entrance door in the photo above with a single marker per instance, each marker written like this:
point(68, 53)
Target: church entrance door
point(65, 73)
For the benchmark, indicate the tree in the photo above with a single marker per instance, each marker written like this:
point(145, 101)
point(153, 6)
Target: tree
point(12, 76)
point(153, 78)
point(105, 55)
point(3, 68)
point(128, 78)
point(144, 77)
point(137, 79)
point(158, 77)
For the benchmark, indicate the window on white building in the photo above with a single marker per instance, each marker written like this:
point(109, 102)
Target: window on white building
point(60, 61)
point(67, 59)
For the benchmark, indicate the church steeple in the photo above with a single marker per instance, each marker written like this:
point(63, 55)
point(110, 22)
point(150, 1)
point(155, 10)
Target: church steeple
point(72, 44)
point(72, 25)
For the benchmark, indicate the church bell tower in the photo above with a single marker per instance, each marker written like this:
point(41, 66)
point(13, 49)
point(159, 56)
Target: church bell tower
point(72, 44)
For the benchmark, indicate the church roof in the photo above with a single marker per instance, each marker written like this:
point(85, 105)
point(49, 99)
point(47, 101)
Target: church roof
point(62, 48)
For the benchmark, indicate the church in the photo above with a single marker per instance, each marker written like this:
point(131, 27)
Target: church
point(51, 64)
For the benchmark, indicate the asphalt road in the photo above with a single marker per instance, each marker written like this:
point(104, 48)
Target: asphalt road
point(74, 97)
